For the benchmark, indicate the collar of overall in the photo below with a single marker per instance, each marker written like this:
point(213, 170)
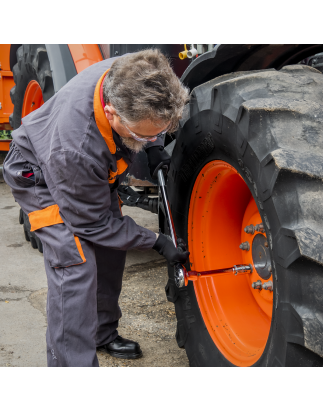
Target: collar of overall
point(105, 128)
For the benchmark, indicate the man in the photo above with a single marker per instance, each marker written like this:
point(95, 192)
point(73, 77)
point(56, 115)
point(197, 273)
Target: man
point(64, 166)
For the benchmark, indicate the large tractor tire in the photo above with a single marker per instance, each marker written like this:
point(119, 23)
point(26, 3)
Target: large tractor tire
point(245, 187)
point(33, 86)
point(33, 81)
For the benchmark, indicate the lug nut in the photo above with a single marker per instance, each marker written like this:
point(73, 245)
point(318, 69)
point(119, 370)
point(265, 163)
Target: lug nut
point(260, 228)
point(257, 285)
point(270, 269)
point(244, 246)
point(250, 229)
point(266, 244)
point(268, 286)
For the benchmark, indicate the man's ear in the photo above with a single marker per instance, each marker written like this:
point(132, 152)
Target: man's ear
point(109, 111)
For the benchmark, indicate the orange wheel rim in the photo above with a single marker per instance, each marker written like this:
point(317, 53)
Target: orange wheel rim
point(237, 317)
point(33, 98)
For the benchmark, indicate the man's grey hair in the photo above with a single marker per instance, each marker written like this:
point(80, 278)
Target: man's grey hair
point(142, 86)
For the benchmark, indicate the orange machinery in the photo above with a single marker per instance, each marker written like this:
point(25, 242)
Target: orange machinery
point(6, 84)
point(83, 56)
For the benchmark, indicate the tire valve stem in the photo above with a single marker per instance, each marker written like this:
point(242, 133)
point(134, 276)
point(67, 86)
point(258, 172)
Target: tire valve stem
point(244, 246)
point(267, 286)
point(250, 229)
point(257, 285)
point(260, 228)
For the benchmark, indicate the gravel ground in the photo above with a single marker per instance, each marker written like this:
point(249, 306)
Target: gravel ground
point(147, 318)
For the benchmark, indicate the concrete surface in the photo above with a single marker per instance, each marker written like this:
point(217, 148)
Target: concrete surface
point(147, 315)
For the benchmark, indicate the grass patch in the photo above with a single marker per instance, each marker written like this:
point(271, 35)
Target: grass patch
point(5, 134)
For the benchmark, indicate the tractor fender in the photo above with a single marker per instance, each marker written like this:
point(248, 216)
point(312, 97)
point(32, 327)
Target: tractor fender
point(61, 64)
point(229, 58)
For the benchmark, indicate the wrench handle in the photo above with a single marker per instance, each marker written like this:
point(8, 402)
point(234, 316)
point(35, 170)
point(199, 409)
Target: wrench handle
point(180, 275)
point(162, 186)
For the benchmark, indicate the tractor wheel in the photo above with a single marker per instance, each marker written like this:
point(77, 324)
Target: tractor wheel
point(33, 87)
point(245, 187)
point(33, 81)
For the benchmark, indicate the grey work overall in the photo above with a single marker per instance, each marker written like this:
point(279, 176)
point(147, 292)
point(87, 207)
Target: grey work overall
point(77, 162)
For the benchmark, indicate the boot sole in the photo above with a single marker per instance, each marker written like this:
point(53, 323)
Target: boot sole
point(125, 356)
point(128, 356)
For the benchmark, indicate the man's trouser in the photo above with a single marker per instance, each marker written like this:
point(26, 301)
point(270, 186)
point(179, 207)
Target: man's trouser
point(82, 306)
point(82, 302)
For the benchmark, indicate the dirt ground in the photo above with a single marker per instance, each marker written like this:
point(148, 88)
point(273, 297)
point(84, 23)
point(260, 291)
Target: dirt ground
point(147, 318)
point(147, 315)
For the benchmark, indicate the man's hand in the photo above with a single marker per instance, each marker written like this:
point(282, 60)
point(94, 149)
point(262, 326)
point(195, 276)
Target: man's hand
point(166, 248)
point(157, 158)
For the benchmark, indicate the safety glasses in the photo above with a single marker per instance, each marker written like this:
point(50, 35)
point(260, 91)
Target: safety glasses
point(154, 138)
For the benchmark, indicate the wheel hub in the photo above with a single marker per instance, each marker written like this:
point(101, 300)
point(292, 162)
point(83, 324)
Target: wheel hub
point(261, 257)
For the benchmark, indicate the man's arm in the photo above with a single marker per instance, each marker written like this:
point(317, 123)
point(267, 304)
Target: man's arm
point(81, 189)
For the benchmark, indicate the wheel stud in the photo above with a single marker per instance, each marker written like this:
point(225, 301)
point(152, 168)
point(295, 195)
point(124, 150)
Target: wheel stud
point(250, 229)
point(257, 285)
point(244, 246)
point(268, 286)
point(270, 269)
point(266, 244)
point(260, 228)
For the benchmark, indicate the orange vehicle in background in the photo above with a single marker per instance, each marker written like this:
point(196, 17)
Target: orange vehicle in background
point(6, 84)
point(83, 56)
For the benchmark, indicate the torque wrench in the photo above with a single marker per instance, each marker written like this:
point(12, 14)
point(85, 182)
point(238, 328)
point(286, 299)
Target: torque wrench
point(181, 275)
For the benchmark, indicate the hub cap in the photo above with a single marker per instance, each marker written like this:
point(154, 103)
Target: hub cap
point(261, 257)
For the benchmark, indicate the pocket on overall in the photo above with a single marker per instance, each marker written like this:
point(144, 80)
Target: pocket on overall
point(17, 169)
point(61, 247)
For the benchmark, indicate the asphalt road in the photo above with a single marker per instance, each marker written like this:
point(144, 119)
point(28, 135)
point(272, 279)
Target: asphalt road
point(147, 315)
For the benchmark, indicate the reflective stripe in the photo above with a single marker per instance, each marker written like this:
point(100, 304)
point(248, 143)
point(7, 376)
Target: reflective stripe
point(45, 218)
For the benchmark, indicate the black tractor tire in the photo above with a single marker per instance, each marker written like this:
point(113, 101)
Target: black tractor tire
point(269, 126)
point(32, 64)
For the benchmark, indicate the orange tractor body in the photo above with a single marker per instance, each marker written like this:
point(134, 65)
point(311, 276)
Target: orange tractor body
point(84, 55)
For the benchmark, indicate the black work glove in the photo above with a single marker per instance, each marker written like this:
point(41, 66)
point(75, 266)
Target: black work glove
point(157, 158)
point(181, 244)
point(166, 248)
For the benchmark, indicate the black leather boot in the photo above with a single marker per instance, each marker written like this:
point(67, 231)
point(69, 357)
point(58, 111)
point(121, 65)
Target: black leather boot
point(122, 348)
